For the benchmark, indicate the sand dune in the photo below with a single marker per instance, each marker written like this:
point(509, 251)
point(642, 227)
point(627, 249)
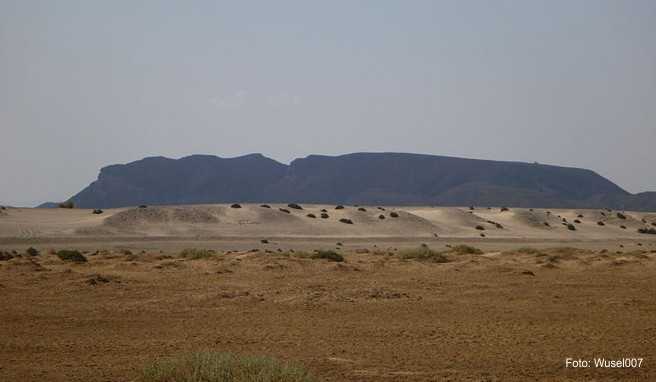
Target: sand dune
point(280, 220)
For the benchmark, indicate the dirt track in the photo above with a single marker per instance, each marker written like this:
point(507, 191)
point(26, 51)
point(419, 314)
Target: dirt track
point(375, 317)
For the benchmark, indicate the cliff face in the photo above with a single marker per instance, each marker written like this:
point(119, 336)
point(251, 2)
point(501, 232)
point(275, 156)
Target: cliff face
point(360, 178)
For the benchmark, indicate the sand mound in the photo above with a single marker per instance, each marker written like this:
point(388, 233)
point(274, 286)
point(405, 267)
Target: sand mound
point(136, 216)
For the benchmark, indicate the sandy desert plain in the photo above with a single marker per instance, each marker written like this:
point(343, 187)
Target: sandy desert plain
point(422, 296)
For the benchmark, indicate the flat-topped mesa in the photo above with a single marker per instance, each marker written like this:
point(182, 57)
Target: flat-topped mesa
point(359, 178)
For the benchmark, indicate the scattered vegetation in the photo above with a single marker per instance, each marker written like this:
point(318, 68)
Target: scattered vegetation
point(143, 206)
point(294, 206)
point(312, 216)
point(264, 241)
point(394, 215)
point(339, 207)
point(236, 205)
point(547, 224)
point(66, 204)
point(480, 228)
point(621, 216)
point(504, 209)
point(324, 215)
point(32, 251)
point(381, 216)
point(223, 367)
point(600, 223)
point(577, 221)
point(71, 255)
point(650, 231)
point(197, 253)
point(284, 210)
point(346, 221)
point(362, 209)
point(623, 227)
point(571, 227)
point(97, 211)
point(265, 206)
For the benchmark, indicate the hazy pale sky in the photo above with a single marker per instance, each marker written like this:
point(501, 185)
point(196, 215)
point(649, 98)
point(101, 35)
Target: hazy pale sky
point(85, 84)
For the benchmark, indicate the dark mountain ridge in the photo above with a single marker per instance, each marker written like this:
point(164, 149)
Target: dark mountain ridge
point(359, 178)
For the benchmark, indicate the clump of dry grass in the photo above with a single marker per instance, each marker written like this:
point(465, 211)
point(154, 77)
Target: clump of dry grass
point(197, 253)
point(424, 253)
point(465, 250)
point(223, 367)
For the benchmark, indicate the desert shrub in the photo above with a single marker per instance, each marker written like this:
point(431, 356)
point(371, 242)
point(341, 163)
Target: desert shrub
point(197, 253)
point(653, 223)
point(143, 206)
point(465, 250)
point(32, 251)
point(294, 206)
point(264, 241)
point(324, 210)
point(328, 255)
point(66, 204)
point(623, 227)
point(97, 211)
point(503, 209)
point(381, 217)
point(71, 255)
point(346, 221)
point(528, 251)
point(471, 208)
point(223, 367)
point(650, 231)
point(424, 253)
point(480, 228)
point(571, 227)
point(324, 215)
point(284, 210)
point(312, 216)
point(265, 206)
point(339, 207)
point(621, 216)
point(394, 215)
point(577, 221)
point(547, 224)
point(235, 205)
point(600, 223)
point(381, 208)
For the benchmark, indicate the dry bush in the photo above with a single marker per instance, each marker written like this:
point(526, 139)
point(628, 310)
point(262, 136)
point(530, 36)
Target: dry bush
point(197, 253)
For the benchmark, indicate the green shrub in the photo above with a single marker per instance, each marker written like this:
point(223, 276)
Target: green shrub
point(424, 253)
point(197, 253)
point(328, 255)
point(223, 367)
point(71, 255)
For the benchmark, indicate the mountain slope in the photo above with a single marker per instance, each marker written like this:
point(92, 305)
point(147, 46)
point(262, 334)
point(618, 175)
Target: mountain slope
point(360, 178)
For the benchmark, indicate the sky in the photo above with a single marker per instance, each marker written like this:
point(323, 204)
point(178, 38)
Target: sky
point(85, 84)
